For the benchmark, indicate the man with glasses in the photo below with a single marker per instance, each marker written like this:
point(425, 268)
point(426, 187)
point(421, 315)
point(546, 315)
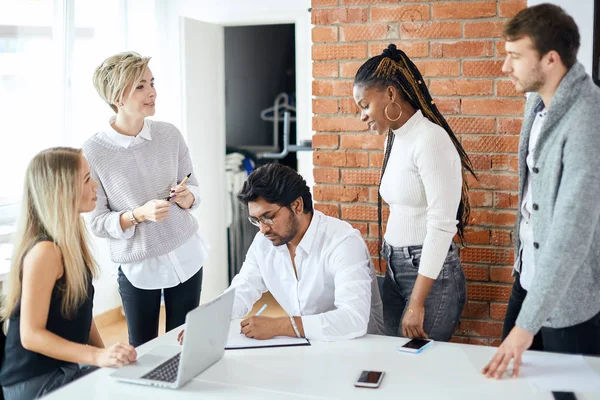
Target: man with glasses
point(318, 268)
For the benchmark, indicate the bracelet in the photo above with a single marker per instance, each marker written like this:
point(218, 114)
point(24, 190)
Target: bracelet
point(295, 327)
point(132, 218)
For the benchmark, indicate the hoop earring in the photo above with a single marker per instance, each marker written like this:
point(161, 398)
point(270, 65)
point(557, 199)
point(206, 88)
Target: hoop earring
point(385, 111)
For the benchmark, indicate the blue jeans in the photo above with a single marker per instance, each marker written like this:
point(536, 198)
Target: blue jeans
point(445, 301)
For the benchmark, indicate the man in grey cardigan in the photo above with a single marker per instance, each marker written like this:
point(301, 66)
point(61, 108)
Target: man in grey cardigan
point(556, 293)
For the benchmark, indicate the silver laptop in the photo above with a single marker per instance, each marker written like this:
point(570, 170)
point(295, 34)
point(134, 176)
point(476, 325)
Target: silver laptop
point(206, 331)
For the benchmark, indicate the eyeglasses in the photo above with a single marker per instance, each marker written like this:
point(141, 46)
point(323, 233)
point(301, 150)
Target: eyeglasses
point(263, 220)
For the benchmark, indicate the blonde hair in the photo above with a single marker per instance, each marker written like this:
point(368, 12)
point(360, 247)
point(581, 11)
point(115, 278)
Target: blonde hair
point(112, 77)
point(50, 207)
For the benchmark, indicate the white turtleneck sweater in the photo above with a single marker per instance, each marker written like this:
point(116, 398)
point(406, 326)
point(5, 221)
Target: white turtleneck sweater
point(422, 185)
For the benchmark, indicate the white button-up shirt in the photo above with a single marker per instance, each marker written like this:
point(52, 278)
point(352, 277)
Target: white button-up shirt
point(526, 227)
point(336, 291)
point(169, 269)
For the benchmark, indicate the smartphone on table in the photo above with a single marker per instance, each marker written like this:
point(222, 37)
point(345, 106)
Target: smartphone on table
point(415, 345)
point(369, 379)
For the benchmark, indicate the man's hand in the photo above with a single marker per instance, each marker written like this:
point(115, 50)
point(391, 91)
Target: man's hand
point(180, 337)
point(412, 323)
point(513, 347)
point(261, 328)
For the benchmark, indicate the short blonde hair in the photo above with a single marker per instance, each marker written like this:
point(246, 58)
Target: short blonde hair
point(112, 77)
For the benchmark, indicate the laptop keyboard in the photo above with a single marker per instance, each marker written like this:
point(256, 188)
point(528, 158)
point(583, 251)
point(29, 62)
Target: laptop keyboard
point(166, 372)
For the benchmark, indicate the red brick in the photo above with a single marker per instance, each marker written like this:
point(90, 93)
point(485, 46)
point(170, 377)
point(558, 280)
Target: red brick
point(501, 237)
point(348, 106)
point(490, 144)
point(506, 200)
point(477, 236)
point(500, 48)
point(373, 246)
point(346, 51)
point(502, 274)
point(342, 88)
point(481, 162)
point(431, 30)
point(361, 227)
point(461, 87)
point(374, 228)
point(472, 125)
point(506, 89)
point(509, 126)
point(489, 292)
point(325, 70)
point(359, 213)
point(344, 194)
point(480, 198)
point(495, 342)
point(482, 68)
point(513, 162)
point(413, 49)
point(363, 141)
point(400, 13)
point(376, 159)
point(338, 124)
point(459, 339)
point(460, 10)
point(322, 88)
point(373, 194)
point(348, 69)
point(481, 48)
point(340, 15)
point(500, 162)
point(480, 328)
point(326, 175)
point(479, 341)
point(320, 141)
point(350, 159)
point(363, 2)
point(333, 210)
point(357, 33)
point(492, 106)
point(321, 34)
point(488, 180)
point(493, 218)
point(498, 310)
point(321, 3)
point(476, 272)
point(476, 309)
point(447, 105)
point(510, 8)
point(324, 106)
point(360, 177)
point(484, 29)
point(487, 255)
point(438, 67)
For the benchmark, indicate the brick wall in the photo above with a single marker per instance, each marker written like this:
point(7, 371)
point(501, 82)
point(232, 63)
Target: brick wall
point(457, 45)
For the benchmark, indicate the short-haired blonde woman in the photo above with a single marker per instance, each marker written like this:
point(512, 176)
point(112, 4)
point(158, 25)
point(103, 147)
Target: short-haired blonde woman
point(143, 206)
point(50, 293)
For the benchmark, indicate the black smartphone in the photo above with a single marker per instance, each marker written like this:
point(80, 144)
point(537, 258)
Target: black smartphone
point(369, 379)
point(415, 345)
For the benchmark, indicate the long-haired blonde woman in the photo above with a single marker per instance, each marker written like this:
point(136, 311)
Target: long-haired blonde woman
point(50, 294)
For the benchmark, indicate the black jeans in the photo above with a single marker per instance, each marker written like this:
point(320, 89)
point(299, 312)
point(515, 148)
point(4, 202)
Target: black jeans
point(41, 385)
point(583, 338)
point(142, 307)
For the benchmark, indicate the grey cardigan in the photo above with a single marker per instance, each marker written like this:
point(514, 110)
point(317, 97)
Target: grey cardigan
point(565, 187)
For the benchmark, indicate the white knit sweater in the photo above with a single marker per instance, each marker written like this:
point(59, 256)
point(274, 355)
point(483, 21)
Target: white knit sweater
point(422, 185)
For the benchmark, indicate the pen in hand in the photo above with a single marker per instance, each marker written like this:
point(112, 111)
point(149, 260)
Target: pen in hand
point(184, 180)
point(261, 310)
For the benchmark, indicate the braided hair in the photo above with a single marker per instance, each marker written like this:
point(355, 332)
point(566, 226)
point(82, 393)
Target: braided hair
point(394, 68)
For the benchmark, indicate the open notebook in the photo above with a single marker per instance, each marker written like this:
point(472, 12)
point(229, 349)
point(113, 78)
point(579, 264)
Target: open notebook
point(237, 340)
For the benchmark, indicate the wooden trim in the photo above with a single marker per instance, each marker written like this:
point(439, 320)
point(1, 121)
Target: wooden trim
point(109, 317)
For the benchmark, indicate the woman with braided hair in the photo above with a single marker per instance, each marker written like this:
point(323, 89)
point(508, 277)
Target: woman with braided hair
point(424, 290)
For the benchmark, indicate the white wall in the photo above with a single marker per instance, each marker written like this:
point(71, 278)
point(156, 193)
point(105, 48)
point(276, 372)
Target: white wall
point(582, 12)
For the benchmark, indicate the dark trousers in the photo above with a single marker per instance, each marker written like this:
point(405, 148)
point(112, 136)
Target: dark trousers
point(142, 307)
point(583, 338)
point(41, 385)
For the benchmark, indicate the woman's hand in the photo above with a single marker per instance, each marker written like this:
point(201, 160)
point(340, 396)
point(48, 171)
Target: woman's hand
point(116, 355)
point(182, 196)
point(412, 323)
point(154, 210)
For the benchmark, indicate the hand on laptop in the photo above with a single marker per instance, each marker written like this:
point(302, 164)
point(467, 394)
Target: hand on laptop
point(116, 355)
point(261, 327)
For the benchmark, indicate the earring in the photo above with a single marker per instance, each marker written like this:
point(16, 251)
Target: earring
point(385, 111)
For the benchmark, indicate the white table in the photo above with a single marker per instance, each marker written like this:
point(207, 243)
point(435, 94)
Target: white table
point(328, 371)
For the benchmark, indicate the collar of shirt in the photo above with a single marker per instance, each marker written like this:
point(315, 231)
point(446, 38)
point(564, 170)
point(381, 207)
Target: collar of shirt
point(410, 124)
point(124, 140)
